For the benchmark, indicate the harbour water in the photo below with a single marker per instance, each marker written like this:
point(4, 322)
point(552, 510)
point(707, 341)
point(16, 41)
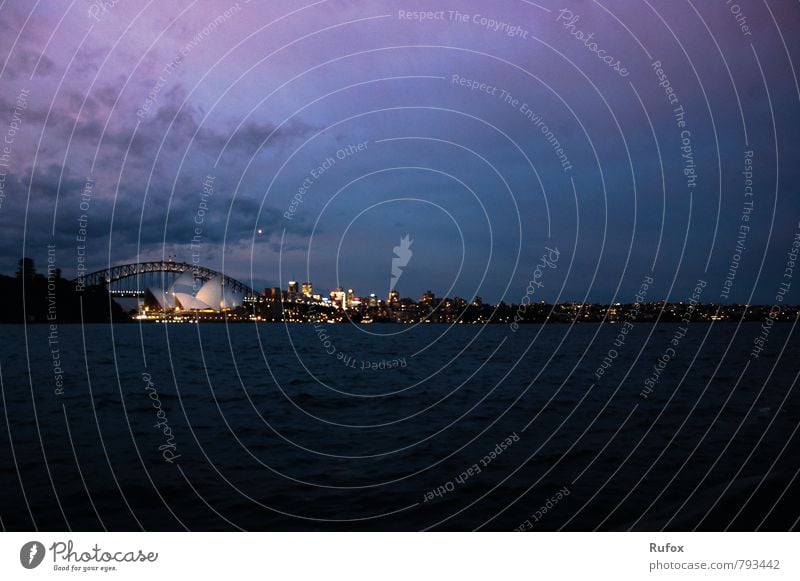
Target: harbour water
point(390, 427)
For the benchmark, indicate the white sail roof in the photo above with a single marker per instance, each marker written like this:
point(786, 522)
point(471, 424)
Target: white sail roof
point(218, 296)
point(162, 297)
point(185, 283)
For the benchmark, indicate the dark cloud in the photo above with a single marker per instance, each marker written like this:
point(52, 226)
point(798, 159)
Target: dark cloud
point(218, 105)
point(26, 63)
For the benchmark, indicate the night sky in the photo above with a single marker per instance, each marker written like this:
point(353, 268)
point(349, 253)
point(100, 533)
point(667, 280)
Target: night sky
point(490, 133)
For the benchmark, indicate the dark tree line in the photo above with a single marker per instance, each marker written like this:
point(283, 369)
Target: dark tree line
point(34, 297)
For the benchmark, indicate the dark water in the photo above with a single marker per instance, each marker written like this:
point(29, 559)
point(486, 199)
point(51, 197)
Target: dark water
point(266, 430)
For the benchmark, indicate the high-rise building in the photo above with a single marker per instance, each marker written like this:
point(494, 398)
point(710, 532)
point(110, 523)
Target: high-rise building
point(338, 297)
point(273, 294)
point(394, 298)
point(427, 298)
point(307, 289)
point(292, 289)
point(349, 298)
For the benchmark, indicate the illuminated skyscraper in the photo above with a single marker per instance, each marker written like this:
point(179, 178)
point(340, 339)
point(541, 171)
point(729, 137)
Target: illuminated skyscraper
point(338, 297)
point(308, 289)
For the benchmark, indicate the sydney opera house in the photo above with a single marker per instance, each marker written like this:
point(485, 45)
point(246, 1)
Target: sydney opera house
point(189, 293)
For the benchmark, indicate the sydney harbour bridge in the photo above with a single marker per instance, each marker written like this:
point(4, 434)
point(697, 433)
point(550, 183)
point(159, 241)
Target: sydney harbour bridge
point(168, 281)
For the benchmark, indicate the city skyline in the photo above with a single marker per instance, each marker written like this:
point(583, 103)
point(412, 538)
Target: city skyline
point(196, 295)
point(296, 291)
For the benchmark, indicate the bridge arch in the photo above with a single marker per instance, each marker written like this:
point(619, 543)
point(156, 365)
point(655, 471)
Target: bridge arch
point(116, 273)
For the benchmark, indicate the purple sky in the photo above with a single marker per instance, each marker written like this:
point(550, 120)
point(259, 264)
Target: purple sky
point(149, 99)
